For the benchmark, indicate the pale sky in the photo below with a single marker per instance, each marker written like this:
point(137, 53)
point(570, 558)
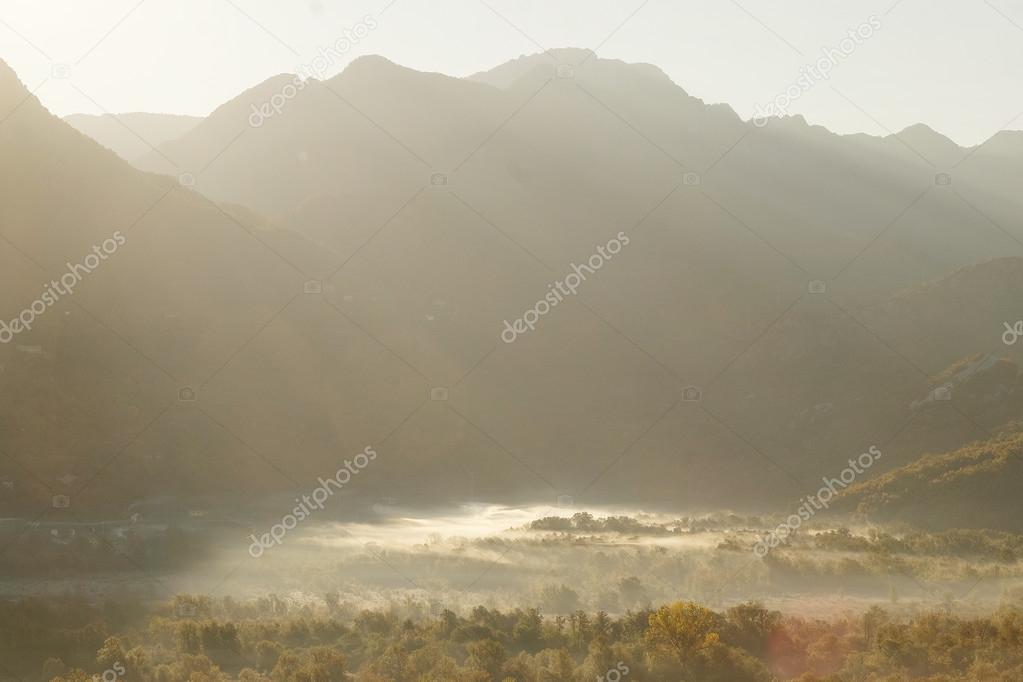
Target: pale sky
point(956, 65)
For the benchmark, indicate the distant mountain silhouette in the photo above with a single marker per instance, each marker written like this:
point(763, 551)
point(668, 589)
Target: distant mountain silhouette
point(132, 135)
point(608, 135)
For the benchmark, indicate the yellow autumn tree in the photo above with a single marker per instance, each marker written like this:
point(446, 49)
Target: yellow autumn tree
point(682, 629)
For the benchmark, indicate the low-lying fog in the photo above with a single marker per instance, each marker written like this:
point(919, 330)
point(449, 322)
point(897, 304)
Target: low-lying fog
point(558, 559)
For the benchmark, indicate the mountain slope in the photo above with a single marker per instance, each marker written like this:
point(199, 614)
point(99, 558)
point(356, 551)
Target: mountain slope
point(976, 486)
point(132, 135)
point(101, 368)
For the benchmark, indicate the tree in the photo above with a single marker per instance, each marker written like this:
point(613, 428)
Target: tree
point(287, 668)
point(487, 655)
point(250, 675)
point(112, 652)
point(388, 665)
point(682, 629)
point(220, 640)
point(751, 626)
point(528, 630)
point(267, 653)
point(559, 599)
point(327, 664)
point(189, 638)
point(554, 665)
point(632, 591)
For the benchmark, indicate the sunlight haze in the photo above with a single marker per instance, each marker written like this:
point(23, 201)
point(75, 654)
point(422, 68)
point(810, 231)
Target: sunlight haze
point(187, 57)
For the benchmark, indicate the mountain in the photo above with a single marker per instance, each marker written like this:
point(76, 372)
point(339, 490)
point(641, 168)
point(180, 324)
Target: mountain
point(91, 406)
point(929, 144)
point(132, 135)
point(964, 312)
point(973, 487)
point(748, 336)
point(540, 162)
point(969, 486)
point(543, 152)
point(1007, 144)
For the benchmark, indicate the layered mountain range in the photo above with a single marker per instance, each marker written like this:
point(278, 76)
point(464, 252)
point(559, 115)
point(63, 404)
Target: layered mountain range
point(311, 270)
point(133, 135)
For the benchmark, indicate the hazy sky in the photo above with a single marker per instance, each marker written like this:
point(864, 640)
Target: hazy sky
point(953, 64)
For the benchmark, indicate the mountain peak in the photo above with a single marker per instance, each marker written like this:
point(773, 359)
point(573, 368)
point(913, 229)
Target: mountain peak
point(371, 61)
point(374, 67)
point(507, 75)
point(920, 129)
point(926, 135)
point(571, 55)
point(928, 143)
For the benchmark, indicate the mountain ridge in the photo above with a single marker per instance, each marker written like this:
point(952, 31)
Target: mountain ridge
point(425, 210)
point(515, 68)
